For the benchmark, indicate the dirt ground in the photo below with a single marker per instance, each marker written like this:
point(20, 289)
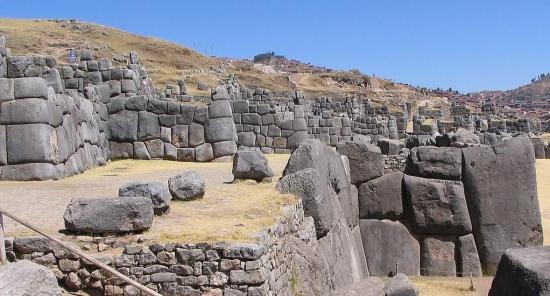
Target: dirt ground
point(230, 212)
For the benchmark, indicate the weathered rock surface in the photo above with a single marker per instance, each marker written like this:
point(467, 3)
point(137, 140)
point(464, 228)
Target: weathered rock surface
point(468, 258)
point(187, 186)
point(437, 206)
point(365, 161)
point(381, 198)
point(523, 272)
point(386, 242)
point(25, 278)
point(435, 162)
point(109, 215)
point(500, 183)
point(156, 191)
point(250, 163)
point(438, 257)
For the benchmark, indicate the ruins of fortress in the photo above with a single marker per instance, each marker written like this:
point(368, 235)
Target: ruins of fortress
point(447, 199)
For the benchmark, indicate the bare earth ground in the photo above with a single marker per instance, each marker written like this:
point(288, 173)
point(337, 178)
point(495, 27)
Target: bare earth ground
point(230, 212)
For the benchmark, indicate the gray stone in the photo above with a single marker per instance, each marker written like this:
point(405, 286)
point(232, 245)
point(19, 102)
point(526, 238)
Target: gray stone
point(27, 278)
point(196, 134)
point(136, 103)
point(386, 242)
point(31, 244)
point(250, 163)
point(225, 148)
point(6, 90)
point(389, 147)
point(124, 126)
point(246, 139)
point(109, 215)
point(128, 86)
point(220, 129)
point(365, 161)
point(240, 106)
point(438, 257)
point(219, 109)
point(157, 192)
point(3, 148)
point(187, 186)
point(30, 172)
point(437, 206)
point(468, 258)
point(204, 152)
point(381, 198)
point(170, 152)
point(180, 136)
point(251, 118)
point(155, 148)
point(296, 139)
point(31, 143)
point(148, 126)
point(121, 150)
point(140, 151)
point(500, 181)
point(465, 136)
point(30, 87)
point(522, 272)
point(434, 162)
point(186, 154)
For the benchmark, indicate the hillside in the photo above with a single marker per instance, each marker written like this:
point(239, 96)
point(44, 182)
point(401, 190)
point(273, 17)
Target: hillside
point(168, 62)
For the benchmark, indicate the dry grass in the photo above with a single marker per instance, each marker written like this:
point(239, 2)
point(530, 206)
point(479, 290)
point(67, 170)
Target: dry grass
point(543, 188)
point(230, 212)
point(451, 286)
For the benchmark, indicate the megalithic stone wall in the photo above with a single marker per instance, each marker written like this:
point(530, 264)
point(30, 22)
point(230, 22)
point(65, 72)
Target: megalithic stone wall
point(44, 135)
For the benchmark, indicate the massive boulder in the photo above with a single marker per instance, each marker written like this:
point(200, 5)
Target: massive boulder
point(468, 258)
point(434, 162)
point(366, 161)
point(26, 278)
point(250, 163)
point(109, 215)
point(156, 191)
point(523, 272)
point(436, 206)
point(381, 198)
point(388, 244)
point(187, 186)
point(500, 183)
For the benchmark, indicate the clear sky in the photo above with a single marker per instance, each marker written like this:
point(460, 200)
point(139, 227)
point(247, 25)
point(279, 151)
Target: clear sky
point(469, 45)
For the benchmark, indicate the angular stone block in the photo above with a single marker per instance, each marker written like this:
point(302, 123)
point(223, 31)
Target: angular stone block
point(220, 129)
point(148, 126)
point(124, 126)
point(381, 198)
point(31, 143)
point(30, 87)
point(366, 161)
point(438, 257)
point(434, 162)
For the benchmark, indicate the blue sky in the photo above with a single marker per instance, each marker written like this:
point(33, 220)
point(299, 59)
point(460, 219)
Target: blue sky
point(469, 45)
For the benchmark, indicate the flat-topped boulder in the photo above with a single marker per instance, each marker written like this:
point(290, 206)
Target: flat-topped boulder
point(251, 164)
point(156, 191)
point(109, 215)
point(435, 162)
point(523, 272)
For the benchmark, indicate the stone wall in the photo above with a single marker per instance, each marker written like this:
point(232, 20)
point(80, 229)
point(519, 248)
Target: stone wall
point(46, 135)
point(509, 125)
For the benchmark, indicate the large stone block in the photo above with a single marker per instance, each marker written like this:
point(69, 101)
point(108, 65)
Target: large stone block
point(434, 162)
point(196, 134)
point(124, 126)
point(220, 129)
point(468, 258)
point(155, 148)
point(29, 172)
point(140, 151)
point(438, 257)
point(204, 152)
point(121, 150)
point(366, 161)
point(180, 136)
point(31, 143)
point(3, 147)
point(436, 206)
point(251, 118)
point(225, 148)
point(219, 109)
point(246, 139)
point(30, 87)
point(25, 111)
point(296, 138)
point(385, 243)
point(523, 272)
point(501, 187)
point(156, 191)
point(250, 163)
point(6, 89)
point(148, 126)
point(109, 215)
point(381, 198)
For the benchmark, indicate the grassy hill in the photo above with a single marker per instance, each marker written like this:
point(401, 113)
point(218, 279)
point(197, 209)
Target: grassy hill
point(168, 62)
